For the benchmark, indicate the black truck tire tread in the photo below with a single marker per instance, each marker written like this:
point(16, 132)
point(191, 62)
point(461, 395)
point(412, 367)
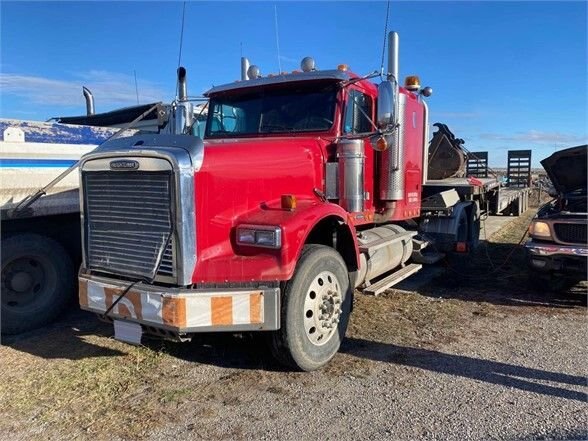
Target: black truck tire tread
point(61, 267)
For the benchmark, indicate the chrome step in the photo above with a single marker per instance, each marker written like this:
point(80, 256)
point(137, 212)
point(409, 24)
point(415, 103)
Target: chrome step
point(392, 279)
point(385, 241)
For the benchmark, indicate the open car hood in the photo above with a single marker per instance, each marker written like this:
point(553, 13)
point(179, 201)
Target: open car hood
point(567, 169)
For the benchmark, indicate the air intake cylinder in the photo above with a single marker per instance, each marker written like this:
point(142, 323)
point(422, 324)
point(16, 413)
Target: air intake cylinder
point(351, 156)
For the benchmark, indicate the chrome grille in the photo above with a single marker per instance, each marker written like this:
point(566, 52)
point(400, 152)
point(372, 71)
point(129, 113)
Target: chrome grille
point(571, 233)
point(128, 220)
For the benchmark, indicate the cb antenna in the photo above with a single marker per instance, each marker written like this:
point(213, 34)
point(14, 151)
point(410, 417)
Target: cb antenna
point(277, 38)
point(181, 43)
point(385, 36)
point(136, 86)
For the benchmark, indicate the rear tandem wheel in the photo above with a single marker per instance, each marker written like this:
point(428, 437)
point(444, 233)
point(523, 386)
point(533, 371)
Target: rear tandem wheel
point(37, 282)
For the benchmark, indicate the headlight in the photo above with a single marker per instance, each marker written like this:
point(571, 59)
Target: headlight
point(259, 236)
point(540, 230)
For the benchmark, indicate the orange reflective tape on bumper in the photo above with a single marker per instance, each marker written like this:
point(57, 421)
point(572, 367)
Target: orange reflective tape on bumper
point(83, 293)
point(130, 306)
point(183, 310)
point(222, 311)
point(255, 308)
point(173, 311)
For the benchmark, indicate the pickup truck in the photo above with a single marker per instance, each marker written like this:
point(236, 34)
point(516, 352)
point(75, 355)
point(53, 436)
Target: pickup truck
point(558, 248)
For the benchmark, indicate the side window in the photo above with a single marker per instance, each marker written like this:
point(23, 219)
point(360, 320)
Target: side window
point(224, 119)
point(358, 106)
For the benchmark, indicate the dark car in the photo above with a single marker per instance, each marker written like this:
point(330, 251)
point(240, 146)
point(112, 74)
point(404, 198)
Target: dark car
point(558, 244)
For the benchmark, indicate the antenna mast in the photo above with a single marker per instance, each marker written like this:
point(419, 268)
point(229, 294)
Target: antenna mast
point(181, 42)
point(136, 87)
point(277, 38)
point(182, 34)
point(385, 36)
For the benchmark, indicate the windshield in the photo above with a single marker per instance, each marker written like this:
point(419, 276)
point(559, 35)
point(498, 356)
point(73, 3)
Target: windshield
point(298, 108)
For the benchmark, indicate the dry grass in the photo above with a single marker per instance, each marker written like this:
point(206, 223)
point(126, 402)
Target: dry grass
point(93, 396)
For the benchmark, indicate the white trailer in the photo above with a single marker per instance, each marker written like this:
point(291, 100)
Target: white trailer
point(40, 244)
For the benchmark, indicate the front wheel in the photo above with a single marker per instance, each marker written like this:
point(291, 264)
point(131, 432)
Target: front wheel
point(315, 311)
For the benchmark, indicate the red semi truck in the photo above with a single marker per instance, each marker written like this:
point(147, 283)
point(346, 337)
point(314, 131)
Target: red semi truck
point(306, 186)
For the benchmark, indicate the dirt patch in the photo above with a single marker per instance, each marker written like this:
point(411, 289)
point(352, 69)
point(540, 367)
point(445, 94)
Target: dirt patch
point(496, 273)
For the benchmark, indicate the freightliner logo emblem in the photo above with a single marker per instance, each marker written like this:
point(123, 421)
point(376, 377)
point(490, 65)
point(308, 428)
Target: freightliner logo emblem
point(124, 164)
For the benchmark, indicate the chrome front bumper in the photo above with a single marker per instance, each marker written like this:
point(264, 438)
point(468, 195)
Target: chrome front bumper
point(549, 249)
point(181, 310)
point(549, 257)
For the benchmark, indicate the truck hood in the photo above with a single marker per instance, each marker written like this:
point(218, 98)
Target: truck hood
point(567, 169)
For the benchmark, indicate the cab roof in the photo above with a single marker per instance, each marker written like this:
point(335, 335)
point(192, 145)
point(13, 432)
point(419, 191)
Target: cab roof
point(334, 74)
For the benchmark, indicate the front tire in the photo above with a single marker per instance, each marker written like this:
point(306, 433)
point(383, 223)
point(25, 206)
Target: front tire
point(315, 311)
point(37, 282)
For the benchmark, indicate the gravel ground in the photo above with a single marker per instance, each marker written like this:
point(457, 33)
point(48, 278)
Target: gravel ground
point(509, 376)
point(456, 360)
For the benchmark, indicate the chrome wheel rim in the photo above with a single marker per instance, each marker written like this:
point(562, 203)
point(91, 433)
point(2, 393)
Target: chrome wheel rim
point(322, 308)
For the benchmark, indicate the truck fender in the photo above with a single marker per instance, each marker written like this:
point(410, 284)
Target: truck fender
point(302, 229)
point(304, 225)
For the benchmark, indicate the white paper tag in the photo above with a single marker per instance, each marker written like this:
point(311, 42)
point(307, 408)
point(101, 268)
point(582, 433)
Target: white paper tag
point(128, 332)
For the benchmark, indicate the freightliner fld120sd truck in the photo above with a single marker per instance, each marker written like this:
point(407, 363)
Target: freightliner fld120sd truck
point(305, 186)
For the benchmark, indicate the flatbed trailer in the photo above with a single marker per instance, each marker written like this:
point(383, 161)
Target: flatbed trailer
point(494, 197)
point(453, 207)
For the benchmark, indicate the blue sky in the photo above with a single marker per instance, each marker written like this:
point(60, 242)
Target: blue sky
point(505, 75)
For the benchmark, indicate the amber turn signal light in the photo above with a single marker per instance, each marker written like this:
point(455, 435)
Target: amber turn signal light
point(412, 83)
point(288, 202)
point(381, 144)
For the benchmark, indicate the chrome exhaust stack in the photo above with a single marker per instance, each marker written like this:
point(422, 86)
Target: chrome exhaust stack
point(89, 101)
point(182, 88)
point(392, 163)
point(184, 110)
point(393, 50)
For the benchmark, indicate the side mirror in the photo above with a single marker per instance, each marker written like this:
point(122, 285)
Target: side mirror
point(386, 105)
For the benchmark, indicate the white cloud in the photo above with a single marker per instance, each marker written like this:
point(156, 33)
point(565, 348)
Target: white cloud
point(458, 114)
point(535, 136)
point(108, 88)
point(289, 59)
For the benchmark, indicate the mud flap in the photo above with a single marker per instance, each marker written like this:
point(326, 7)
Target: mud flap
point(446, 231)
